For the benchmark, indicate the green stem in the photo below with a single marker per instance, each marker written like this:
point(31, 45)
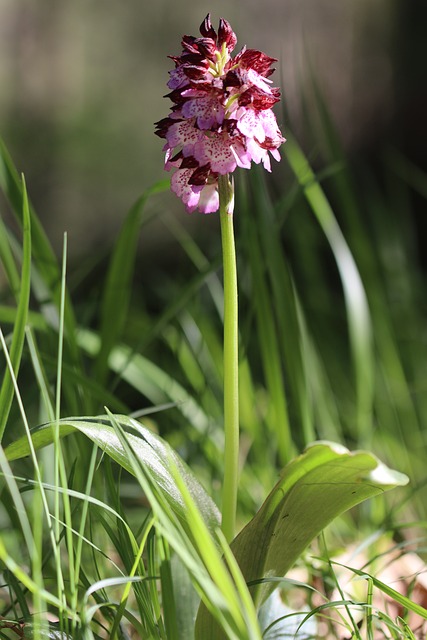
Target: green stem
point(231, 374)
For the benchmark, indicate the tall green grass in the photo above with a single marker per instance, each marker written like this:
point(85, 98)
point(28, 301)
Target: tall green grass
point(332, 346)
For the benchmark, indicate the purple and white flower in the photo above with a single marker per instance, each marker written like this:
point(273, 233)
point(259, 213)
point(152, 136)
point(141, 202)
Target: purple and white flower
point(222, 114)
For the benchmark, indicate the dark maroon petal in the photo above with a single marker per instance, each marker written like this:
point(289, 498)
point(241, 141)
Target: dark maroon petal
point(194, 58)
point(200, 176)
point(232, 80)
point(230, 125)
point(176, 157)
point(206, 28)
point(258, 99)
point(194, 72)
point(269, 143)
point(189, 163)
point(237, 57)
point(176, 59)
point(175, 96)
point(269, 72)
point(188, 44)
point(257, 60)
point(227, 35)
point(162, 126)
point(207, 47)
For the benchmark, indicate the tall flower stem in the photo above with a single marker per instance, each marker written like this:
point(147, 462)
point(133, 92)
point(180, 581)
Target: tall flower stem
point(231, 375)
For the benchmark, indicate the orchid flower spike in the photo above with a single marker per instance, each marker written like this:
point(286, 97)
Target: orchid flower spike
point(221, 116)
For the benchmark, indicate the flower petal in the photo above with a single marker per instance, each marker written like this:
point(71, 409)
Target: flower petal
point(209, 199)
point(226, 35)
point(215, 150)
point(189, 194)
point(183, 134)
point(208, 111)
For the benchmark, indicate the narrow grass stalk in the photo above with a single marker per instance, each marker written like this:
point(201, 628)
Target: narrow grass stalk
point(231, 360)
point(18, 337)
point(38, 480)
point(59, 468)
point(133, 573)
point(358, 312)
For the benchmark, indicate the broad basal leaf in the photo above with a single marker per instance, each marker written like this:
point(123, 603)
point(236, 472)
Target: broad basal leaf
point(319, 485)
point(153, 452)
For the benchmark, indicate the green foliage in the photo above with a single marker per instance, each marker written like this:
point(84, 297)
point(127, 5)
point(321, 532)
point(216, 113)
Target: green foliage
point(315, 488)
point(152, 453)
point(118, 526)
point(23, 295)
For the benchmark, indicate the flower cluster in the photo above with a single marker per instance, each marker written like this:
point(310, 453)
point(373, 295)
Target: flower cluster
point(221, 117)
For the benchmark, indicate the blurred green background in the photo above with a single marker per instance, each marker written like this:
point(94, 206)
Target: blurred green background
point(81, 84)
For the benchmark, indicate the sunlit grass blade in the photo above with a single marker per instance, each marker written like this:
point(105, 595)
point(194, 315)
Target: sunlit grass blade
point(143, 598)
point(198, 550)
point(197, 257)
point(118, 283)
point(406, 602)
point(32, 586)
point(325, 411)
point(150, 450)
point(157, 385)
point(358, 315)
point(278, 415)
point(18, 338)
point(34, 319)
point(8, 262)
point(365, 202)
point(284, 304)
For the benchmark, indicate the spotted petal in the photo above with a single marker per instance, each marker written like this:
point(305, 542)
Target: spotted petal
point(216, 151)
point(207, 110)
point(183, 134)
point(189, 194)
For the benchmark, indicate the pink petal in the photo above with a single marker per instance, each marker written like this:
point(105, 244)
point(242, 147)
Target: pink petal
point(255, 152)
point(178, 78)
point(183, 134)
point(215, 150)
point(275, 153)
point(241, 154)
point(268, 122)
point(189, 195)
point(207, 110)
point(250, 77)
point(209, 199)
point(249, 123)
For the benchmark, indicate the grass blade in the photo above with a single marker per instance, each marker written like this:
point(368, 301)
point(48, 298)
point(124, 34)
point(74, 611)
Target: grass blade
point(18, 338)
point(42, 252)
point(357, 307)
point(118, 283)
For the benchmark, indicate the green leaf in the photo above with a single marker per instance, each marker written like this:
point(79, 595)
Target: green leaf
point(319, 485)
point(118, 283)
point(51, 633)
point(404, 601)
point(358, 313)
point(152, 452)
point(322, 483)
point(268, 338)
point(187, 597)
point(18, 338)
